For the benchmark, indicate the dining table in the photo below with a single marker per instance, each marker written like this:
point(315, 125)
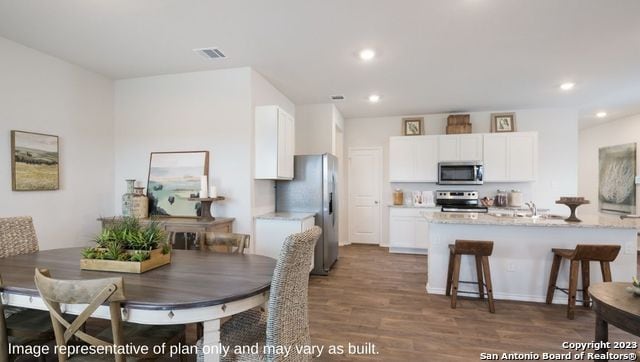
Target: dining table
point(614, 304)
point(196, 287)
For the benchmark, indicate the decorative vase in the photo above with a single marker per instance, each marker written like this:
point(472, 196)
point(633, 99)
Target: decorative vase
point(140, 203)
point(127, 199)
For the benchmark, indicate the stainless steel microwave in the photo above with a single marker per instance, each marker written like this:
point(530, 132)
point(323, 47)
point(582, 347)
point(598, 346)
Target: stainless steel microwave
point(460, 173)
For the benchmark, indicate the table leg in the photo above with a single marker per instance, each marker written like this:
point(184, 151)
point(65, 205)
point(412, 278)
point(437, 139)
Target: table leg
point(602, 335)
point(211, 337)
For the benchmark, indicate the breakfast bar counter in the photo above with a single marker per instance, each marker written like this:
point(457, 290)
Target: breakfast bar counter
point(521, 259)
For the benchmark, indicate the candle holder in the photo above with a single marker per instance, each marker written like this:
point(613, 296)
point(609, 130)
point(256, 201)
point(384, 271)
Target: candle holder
point(572, 203)
point(205, 206)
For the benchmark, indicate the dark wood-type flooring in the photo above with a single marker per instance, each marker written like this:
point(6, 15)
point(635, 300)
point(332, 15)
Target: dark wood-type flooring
point(378, 297)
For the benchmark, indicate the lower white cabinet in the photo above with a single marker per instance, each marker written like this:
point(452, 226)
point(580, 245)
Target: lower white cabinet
point(273, 229)
point(408, 231)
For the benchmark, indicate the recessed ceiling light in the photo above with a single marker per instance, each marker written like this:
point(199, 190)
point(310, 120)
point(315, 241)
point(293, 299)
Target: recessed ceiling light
point(601, 114)
point(367, 54)
point(374, 98)
point(567, 86)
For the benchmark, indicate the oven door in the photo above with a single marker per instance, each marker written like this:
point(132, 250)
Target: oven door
point(460, 173)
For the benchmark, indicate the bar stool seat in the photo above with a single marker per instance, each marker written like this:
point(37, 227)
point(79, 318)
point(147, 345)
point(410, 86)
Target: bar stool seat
point(580, 257)
point(481, 250)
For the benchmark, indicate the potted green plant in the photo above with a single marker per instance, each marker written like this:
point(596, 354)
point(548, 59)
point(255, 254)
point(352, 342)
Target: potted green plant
point(124, 245)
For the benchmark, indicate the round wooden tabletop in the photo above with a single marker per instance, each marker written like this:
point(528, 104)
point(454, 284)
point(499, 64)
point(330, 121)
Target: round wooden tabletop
point(193, 279)
point(615, 305)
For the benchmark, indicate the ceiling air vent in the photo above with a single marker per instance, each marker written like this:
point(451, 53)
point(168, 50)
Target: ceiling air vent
point(337, 98)
point(210, 53)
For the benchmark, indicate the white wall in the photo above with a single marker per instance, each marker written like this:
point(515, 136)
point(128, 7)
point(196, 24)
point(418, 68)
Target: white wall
point(262, 94)
point(40, 93)
point(209, 110)
point(626, 130)
point(558, 154)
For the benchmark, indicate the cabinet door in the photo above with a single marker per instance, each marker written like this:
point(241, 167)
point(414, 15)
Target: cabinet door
point(285, 145)
point(470, 147)
point(426, 158)
point(401, 159)
point(448, 148)
point(421, 233)
point(402, 233)
point(495, 149)
point(522, 156)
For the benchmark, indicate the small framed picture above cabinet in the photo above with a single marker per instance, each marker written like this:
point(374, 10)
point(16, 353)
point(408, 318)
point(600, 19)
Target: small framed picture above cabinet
point(412, 126)
point(503, 122)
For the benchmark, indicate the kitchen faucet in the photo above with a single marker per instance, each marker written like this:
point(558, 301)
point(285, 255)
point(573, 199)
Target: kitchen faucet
point(533, 208)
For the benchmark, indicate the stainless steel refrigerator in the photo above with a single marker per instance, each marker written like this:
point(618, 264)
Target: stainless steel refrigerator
point(314, 189)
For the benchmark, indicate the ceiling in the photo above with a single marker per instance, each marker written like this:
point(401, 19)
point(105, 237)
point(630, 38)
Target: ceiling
point(433, 55)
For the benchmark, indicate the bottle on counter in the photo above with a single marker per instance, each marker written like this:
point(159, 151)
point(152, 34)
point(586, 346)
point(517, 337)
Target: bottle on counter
point(398, 197)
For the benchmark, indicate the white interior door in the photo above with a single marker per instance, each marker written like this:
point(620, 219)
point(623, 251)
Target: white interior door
point(365, 185)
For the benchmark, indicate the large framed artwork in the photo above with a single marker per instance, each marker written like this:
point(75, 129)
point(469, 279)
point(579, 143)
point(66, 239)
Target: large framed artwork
point(34, 161)
point(174, 177)
point(617, 187)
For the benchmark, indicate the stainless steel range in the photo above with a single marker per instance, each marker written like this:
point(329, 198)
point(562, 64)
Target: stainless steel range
point(459, 201)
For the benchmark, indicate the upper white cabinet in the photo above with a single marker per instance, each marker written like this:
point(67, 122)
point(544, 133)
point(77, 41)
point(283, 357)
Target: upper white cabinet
point(466, 147)
point(507, 157)
point(275, 143)
point(413, 159)
point(511, 157)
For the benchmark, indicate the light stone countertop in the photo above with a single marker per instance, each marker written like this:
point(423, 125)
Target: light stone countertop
point(293, 216)
point(588, 221)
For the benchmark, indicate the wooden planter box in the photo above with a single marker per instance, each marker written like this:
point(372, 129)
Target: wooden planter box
point(156, 259)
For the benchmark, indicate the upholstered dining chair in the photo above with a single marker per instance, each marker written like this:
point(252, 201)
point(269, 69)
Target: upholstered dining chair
point(285, 322)
point(94, 293)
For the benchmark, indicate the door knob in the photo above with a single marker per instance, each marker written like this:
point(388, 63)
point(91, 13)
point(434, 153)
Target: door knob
point(375, 202)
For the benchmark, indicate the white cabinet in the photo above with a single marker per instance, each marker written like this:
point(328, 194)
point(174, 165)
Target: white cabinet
point(408, 231)
point(510, 157)
point(274, 143)
point(272, 231)
point(413, 159)
point(467, 147)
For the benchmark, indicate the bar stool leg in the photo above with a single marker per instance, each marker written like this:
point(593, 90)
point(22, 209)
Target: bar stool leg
point(455, 278)
point(487, 278)
point(606, 271)
point(573, 286)
point(553, 277)
point(585, 283)
point(480, 280)
point(449, 274)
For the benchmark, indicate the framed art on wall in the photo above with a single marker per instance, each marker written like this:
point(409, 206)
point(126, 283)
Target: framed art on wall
point(617, 174)
point(174, 177)
point(412, 126)
point(503, 122)
point(34, 161)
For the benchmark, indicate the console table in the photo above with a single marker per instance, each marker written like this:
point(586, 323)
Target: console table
point(181, 225)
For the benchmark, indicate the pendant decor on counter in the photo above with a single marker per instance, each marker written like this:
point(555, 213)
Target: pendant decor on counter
point(572, 203)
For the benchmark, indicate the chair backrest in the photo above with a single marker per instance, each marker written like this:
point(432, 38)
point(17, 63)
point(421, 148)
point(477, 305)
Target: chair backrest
point(474, 247)
point(287, 320)
point(93, 292)
point(225, 242)
point(17, 236)
point(596, 252)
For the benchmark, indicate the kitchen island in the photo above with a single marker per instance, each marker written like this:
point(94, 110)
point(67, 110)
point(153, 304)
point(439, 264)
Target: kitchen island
point(522, 257)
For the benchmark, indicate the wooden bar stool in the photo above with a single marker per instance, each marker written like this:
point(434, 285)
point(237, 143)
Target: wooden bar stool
point(581, 255)
point(481, 250)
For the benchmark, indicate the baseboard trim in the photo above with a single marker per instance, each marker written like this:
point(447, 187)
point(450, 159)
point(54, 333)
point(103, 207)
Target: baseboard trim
point(398, 250)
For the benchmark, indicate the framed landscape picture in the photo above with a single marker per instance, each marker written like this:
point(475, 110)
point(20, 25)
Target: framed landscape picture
point(34, 161)
point(174, 177)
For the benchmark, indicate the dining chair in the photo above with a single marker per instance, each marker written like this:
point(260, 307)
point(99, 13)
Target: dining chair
point(285, 323)
point(20, 325)
point(222, 242)
point(94, 293)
